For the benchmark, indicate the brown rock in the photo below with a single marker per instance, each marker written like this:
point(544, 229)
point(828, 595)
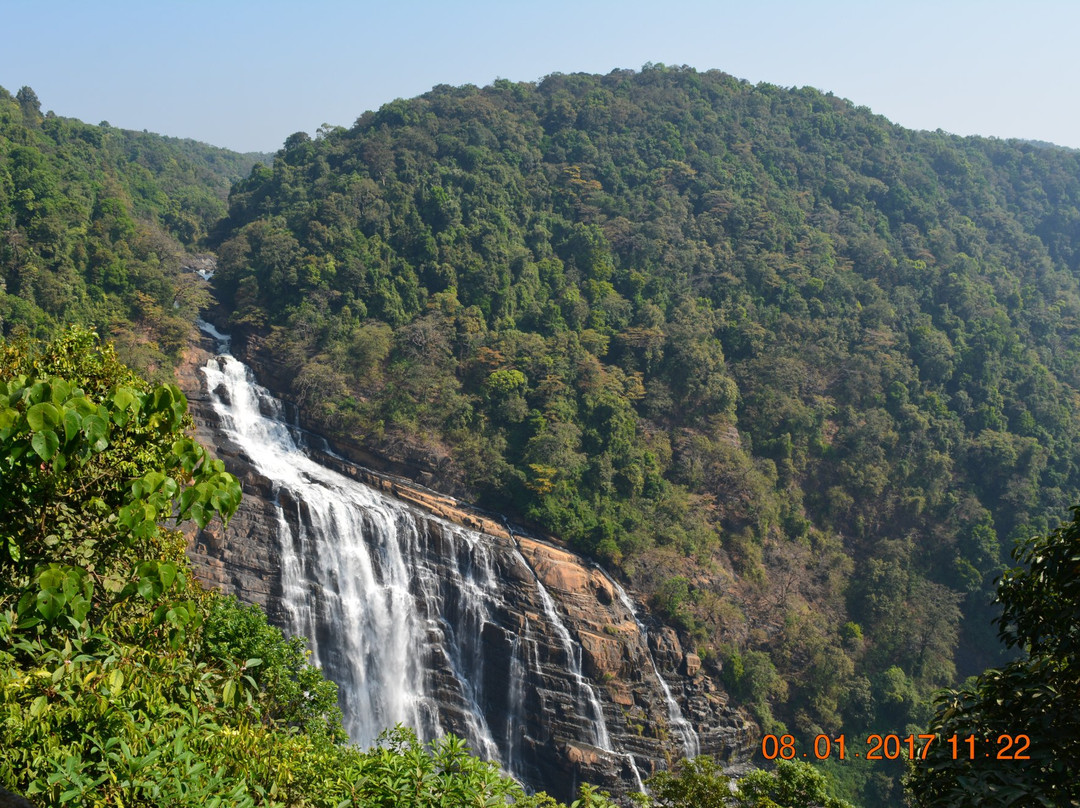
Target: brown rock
point(691, 664)
point(558, 570)
point(621, 694)
point(666, 647)
point(603, 655)
point(581, 757)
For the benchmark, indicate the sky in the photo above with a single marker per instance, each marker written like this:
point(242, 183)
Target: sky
point(245, 74)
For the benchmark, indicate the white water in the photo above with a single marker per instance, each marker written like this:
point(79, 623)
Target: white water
point(691, 742)
point(601, 737)
point(223, 340)
point(345, 565)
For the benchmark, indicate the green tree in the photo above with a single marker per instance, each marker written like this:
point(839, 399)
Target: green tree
point(1036, 696)
point(31, 106)
point(698, 782)
point(701, 783)
point(793, 784)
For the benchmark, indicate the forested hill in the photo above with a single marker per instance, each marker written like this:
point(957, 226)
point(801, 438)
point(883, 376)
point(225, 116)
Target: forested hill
point(800, 373)
point(93, 220)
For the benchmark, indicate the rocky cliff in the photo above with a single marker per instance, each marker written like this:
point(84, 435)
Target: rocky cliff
point(525, 649)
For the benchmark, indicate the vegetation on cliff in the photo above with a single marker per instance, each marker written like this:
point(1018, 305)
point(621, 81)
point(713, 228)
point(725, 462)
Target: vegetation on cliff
point(800, 373)
point(93, 223)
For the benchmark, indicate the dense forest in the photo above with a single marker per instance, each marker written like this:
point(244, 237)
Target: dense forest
point(800, 376)
point(93, 223)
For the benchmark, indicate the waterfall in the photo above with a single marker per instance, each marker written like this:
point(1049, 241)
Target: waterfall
point(415, 616)
point(347, 569)
point(600, 736)
point(691, 742)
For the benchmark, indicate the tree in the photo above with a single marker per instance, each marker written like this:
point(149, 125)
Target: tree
point(94, 589)
point(793, 784)
point(30, 104)
point(1024, 718)
point(698, 782)
point(701, 783)
point(91, 460)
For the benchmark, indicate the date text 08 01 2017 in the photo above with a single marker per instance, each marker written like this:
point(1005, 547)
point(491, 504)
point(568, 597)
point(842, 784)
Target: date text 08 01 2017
point(894, 747)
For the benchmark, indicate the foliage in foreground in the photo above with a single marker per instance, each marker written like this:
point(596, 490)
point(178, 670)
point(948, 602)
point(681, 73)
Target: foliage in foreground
point(1037, 695)
point(700, 783)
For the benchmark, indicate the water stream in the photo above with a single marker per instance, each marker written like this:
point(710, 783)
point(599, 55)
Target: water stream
point(686, 731)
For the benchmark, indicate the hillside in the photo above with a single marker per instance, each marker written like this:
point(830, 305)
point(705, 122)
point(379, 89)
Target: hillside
point(800, 374)
point(93, 222)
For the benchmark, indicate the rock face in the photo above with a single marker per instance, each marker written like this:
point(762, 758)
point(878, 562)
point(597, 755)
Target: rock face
point(428, 612)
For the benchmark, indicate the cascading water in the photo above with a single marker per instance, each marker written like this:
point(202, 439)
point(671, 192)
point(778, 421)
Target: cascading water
point(408, 613)
point(691, 742)
point(345, 566)
point(601, 737)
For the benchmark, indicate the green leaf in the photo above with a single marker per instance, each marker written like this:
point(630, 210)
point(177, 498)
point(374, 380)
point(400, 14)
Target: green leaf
point(149, 588)
point(8, 417)
point(45, 444)
point(200, 514)
point(80, 607)
point(186, 498)
point(83, 405)
point(43, 416)
point(72, 424)
point(96, 430)
point(60, 390)
point(125, 398)
point(49, 604)
point(51, 578)
point(167, 573)
point(72, 582)
point(38, 392)
point(37, 707)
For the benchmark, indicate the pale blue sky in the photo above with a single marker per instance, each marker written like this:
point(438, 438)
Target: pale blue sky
point(247, 74)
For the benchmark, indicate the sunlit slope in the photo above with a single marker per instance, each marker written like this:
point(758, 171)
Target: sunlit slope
point(93, 220)
point(800, 373)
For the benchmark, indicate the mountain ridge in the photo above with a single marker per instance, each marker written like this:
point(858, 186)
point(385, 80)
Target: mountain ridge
point(799, 373)
point(794, 369)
